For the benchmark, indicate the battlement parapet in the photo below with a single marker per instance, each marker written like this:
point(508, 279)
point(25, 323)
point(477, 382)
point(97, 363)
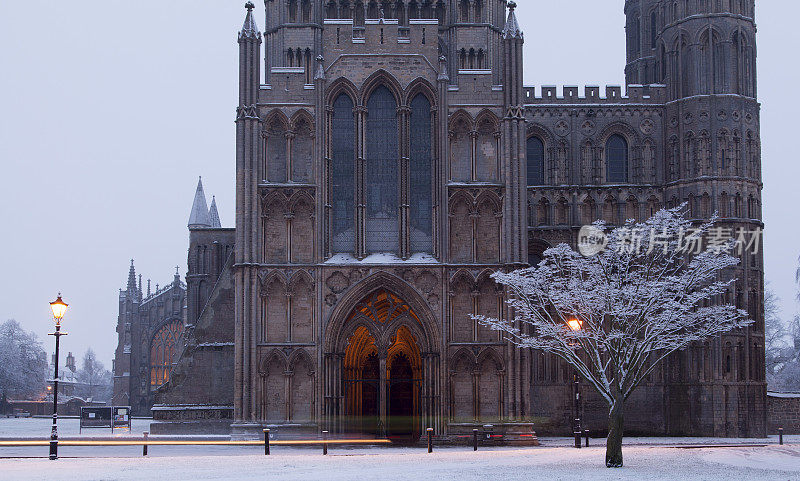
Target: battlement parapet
point(380, 31)
point(636, 94)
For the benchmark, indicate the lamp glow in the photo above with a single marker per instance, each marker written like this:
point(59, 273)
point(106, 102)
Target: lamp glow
point(575, 324)
point(59, 307)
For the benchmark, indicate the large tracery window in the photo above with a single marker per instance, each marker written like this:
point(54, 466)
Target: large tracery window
point(420, 169)
point(163, 348)
point(343, 175)
point(383, 203)
point(382, 225)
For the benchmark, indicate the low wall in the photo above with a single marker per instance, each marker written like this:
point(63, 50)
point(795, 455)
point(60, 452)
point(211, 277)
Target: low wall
point(191, 419)
point(783, 411)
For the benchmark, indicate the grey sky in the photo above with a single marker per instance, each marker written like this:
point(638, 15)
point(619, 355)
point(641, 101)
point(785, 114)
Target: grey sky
point(109, 111)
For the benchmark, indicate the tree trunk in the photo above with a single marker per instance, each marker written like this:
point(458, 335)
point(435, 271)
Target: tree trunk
point(615, 428)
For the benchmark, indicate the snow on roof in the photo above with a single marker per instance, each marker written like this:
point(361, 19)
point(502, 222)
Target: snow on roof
point(382, 258)
point(783, 394)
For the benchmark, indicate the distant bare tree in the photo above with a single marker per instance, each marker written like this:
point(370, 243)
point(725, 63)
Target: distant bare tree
point(94, 377)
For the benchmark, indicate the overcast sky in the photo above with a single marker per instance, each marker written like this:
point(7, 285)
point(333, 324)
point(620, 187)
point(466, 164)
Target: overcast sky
point(110, 110)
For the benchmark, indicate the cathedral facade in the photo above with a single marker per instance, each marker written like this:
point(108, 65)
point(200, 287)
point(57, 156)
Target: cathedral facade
point(389, 159)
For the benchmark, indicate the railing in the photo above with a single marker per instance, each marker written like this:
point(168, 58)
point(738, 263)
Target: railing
point(146, 442)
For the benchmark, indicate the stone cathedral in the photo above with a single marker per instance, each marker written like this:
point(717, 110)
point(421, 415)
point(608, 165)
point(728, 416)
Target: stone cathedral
point(389, 158)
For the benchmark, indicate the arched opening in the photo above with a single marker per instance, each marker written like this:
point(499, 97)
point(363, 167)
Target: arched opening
point(382, 367)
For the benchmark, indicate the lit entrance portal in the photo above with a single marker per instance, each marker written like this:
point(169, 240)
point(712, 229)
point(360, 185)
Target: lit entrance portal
point(383, 381)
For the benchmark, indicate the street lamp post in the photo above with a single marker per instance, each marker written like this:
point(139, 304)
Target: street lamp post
point(58, 307)
point(576, 325)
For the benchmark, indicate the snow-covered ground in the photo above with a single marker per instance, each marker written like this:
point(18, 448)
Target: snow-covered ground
point(645, 458)
point(67, 427)
point(651, 463)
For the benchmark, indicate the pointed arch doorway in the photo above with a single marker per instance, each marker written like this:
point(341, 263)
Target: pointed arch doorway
point(383, 380)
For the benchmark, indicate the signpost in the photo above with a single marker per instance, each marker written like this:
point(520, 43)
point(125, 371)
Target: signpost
point(105, 417)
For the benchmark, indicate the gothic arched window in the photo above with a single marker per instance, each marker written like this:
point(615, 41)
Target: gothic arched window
point(420, 171)
point(617, 159)
point(636, 37)
point(163, 348)
point(535, 161)
point(653, 28)
point(275, 168)
point(343, 175)
point(382, 200)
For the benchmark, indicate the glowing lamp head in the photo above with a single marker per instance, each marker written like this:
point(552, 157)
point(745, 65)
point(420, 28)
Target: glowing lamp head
point(58, 307)
point(575, 324)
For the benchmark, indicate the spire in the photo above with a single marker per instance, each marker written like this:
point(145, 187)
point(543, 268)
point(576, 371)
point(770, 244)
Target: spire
point(512, 29)
point(177, 279)
point(140, 285)
point(199, 216)
point(249, 29)
point(213, 214)
point(132, 278)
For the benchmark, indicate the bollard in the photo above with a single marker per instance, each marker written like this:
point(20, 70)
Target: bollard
point(266, 442)
point(430, 440)
point(577, 439)
point(324, 444)
point(780, 436)
point(474, 439)
point(586, 434)
point(144, 446)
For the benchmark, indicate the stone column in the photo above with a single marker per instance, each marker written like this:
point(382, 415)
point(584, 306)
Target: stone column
point(404, 114)
point(361, 119)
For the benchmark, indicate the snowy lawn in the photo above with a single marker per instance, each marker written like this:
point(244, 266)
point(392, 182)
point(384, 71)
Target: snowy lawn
point(67, 427)
point(645, 458)
point(771, 463)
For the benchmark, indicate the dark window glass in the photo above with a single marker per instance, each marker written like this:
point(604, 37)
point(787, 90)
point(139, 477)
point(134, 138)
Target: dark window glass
point(421, 229)
point(343, 175)
point(616, 159)
point(653, 29)
point(382, 227)
point(535, 161)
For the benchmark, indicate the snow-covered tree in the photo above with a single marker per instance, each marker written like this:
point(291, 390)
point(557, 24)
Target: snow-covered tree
point(23, 362)
point(614, 316)
point(783, 348)
point(95, 379)
point(778, 338)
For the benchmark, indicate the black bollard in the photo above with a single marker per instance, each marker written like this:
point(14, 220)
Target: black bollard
point(324, 443)
point(577, 439)
point(474, 439)
point(430, 440)
point(144, 445)
point(780, 436)
point(586, 435)
point(266, 442)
